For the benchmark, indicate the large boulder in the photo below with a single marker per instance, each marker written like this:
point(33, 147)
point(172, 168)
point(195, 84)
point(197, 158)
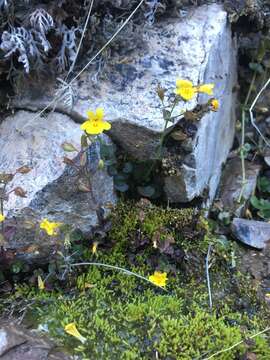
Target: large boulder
point(252, 233)
point(232, 187)
point(52, 187)
point(19, 343)
point(198, 47)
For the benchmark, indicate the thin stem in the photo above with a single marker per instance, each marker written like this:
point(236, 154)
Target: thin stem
point(80, 43)
point(208, 276)
point(109, 41)
point(236, 344)
point(59, 96)
point(250, 89)
point(251, 112)
point(242, 154)
point(125, 271)
point(2, 205)
point(162, 138)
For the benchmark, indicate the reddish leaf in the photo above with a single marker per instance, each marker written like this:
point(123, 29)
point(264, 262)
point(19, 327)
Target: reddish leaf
point(23, 170)
point(20, 192)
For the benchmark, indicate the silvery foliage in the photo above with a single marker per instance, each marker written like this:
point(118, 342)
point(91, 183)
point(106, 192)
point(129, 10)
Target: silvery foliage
point(19, 40)
point(153, 6)
point(68, 48)
point(65, 94)
point(30, 45)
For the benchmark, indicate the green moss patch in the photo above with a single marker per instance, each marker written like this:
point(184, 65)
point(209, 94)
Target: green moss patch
point(125, 317)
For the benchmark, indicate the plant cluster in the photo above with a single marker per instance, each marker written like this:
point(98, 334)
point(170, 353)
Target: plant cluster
point(42, 37)
point(111, 315)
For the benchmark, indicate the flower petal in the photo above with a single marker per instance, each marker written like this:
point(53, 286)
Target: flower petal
point(99, 114)
point(91, 115)
point(106, 125)
point(183, 83)
point(94, 127)
point(206, 89)
point(85, 125)
point(187, 93)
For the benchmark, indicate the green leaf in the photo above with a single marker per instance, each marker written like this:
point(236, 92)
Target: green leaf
point(264, 184)
point(122, 187)
point(128, 167)
point(17, 267)
point(147, 191)
point(256, 67)
point(84, 141)
point(265, 214)
point(260, 204)
point(112, 171)
point(68, 147)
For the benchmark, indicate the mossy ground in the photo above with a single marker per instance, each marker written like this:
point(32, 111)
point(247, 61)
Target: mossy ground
point(124, 317)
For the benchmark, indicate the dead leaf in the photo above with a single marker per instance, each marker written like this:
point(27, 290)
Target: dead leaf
point(18, 191)
point(23, 169)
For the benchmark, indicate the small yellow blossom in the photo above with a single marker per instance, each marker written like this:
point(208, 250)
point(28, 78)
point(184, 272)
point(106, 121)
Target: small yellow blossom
point(214, 105)
point(2, 218)
point(185, 89)
point(94, 247)
point(41, 284)
point(49, 227)
point(158, 278)
point(72, 330)
point(206, 89)
point(95, 123)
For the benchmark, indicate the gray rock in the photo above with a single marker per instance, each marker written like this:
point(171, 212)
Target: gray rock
point(52, 186)
point(199, 48)
point(267, 156)
point(18, 343)
point(231, 185)
point(251, 232)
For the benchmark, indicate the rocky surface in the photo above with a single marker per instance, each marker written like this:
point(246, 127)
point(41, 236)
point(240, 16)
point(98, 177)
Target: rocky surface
point(198, 47)
point(231, 186)
point(52, 187)
point(251, 232)
point(18, 343)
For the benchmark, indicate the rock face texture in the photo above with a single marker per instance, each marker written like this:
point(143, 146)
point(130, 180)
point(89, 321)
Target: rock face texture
point(251, 232)
point(231, 185)
point(51, 186)
point(199, 48)
point(18, 343)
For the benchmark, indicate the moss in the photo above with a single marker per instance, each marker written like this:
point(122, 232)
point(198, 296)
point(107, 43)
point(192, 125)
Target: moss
point(124, 317)
point(147, 219)
point(123, 320)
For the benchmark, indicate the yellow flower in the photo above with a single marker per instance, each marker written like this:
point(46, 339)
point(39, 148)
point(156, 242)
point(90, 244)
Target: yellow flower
point(72, 330)
point(94, 247)
point(2, 218)
point(158, 278)
point(185, 89)
point(206, 89)
point(95, 123)
point(49, 227)
point(41, 284)
point(214, 105)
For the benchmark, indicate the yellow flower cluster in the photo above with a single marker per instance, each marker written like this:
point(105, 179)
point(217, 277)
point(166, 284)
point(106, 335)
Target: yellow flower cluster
point(95, 123)
point(158, 278)
point(49, 227)
point(187, 90)
point(2, 217)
